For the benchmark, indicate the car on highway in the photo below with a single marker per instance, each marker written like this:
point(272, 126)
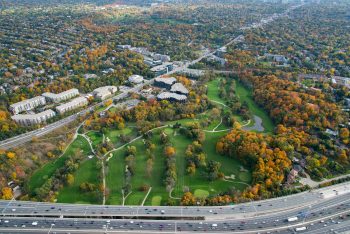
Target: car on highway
point(299, 229)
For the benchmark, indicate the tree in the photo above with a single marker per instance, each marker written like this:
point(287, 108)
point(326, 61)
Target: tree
point(188, 199)
point(131, 150)
point(215, 113)
point(6, 193)
point(343, 158)
point(121, 126)
point(191, 169)
point(108, 102)
point(169, 151)
point(344, 135)
point(70, 179)
point(10, 155)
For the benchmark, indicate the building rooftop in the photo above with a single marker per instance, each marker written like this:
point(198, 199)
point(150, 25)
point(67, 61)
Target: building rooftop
point(26, 101)
point(136, 79)
point(168, 81)
point(179, 88)
point(54, 95)
point(105, 89)
point(33, 116)
point(161, 67)
point(75, 101)
point(167, 95)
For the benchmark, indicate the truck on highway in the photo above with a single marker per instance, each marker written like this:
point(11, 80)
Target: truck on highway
point(299, 229)
point(292, 219)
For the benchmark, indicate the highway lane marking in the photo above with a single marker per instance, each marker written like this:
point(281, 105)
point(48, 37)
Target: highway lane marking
point(253, 215)
point(345, 224)
point(247, 231)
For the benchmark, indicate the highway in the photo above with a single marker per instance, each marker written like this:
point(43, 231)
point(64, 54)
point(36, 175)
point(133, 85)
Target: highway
point(324, 210)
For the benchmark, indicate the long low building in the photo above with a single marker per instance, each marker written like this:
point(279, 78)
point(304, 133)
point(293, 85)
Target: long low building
point(179, 89)
point(73, 104)
point(53, 97)
point(172, 97)
point(165, 82)
point(33, 119)
point(28, 104)
point(136, 79)
point(162, 69)
point(103, 93)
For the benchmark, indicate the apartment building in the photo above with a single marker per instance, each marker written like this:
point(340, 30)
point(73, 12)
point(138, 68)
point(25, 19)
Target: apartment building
point(53, 97)
point(73, 104)
point(103, 93)
point(33, 119)
point(27, 105)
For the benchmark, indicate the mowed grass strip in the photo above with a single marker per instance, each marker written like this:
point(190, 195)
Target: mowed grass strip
point(115, 178)
point(156, 201)
point(87, 172)
point(245, 95)
point(200, 193)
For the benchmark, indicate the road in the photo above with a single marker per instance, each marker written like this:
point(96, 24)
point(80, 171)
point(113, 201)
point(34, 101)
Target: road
point(320, 211)
point(26, 137)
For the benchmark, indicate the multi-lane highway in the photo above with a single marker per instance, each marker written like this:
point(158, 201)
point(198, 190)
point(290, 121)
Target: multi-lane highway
point(320, 211)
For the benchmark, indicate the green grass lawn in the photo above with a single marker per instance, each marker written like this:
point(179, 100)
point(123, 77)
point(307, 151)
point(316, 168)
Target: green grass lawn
point(200, 193)
point(159, 194)
point(115, 178)
point(214, 95)
point(112, 134)
point(87, 172)
point(40, 175)
point(245, 95)
point(156, 201)
point(213, 91)
point(96, 137)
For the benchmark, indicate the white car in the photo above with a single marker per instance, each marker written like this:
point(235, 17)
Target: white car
point(34, 223)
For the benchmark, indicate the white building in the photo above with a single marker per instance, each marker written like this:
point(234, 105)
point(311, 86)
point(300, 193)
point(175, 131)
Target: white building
point(28, 104)
point(179, 89)
point(74, 104)
point(136, 79)
point(172, 97)
point(161, 57)
point(104, 92)
point(165, 82)
point(33, 119)
point(53, 97)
